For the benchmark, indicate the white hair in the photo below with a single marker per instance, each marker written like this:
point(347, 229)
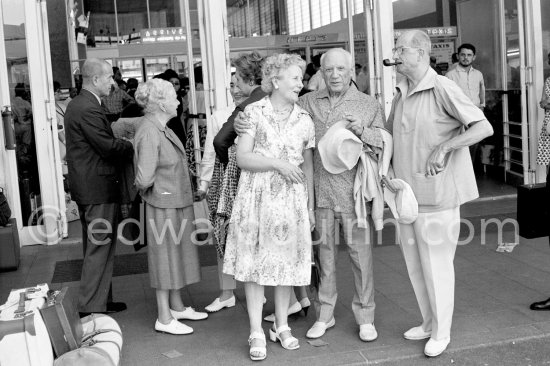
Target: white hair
point(275, 64)
point(418, 39)
point(341, 51)
point(151, 93)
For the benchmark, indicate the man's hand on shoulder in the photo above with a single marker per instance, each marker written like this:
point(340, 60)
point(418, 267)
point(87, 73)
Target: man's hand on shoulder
point(241, 124)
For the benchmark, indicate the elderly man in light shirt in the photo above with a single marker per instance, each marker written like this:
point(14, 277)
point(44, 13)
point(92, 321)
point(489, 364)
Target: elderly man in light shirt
point(428, 120)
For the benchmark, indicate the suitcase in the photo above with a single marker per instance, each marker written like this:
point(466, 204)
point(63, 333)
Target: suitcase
point(62, 321)
point(24, 340)
point(9, 246)
point(101, 343)
point(532, 210)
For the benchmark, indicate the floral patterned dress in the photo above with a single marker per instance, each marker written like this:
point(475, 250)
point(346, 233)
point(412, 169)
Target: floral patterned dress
point(269, 240)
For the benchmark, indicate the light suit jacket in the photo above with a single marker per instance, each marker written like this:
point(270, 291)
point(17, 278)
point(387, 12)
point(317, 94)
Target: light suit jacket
point(162, 174)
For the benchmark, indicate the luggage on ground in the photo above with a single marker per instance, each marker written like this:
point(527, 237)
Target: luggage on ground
point(101, 343)
point(24, 340)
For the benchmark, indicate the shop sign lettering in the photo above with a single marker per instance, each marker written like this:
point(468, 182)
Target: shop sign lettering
point(432, 32)
point(153, 35)
point(307, 38)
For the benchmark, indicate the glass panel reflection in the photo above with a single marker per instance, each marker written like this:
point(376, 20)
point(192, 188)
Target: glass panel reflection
point(22, 111)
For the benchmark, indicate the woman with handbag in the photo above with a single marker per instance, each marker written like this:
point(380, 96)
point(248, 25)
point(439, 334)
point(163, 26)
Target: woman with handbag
point(269, 236)
point(162, 178)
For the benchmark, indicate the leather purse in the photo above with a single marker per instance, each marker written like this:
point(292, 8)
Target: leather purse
point(133, 232)
point(62, 322)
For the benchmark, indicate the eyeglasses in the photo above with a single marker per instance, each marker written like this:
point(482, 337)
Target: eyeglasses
point(332, 70)
point(175, 83)
point(399, 50)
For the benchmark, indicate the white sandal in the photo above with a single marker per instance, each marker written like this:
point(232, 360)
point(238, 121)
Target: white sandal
point(261, 350)
point(275, 335)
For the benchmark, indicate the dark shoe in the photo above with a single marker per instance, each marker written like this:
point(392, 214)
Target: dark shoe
point(541, 305)
point(115, 307)
point(112, 307)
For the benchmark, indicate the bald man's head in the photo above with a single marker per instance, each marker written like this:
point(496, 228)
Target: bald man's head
point(97, 76)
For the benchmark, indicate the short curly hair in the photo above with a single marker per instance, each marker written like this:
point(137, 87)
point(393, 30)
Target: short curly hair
point(276, 63)
point(151, 93)
point(249, 67)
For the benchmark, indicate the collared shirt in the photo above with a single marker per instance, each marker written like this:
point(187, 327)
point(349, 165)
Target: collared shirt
point(471, 82)
point(335, 191)
point(421, 119)
point(114, 101)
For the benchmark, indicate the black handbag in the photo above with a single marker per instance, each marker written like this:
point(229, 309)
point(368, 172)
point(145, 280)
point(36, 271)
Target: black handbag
point(131, 231)
point(5, 212)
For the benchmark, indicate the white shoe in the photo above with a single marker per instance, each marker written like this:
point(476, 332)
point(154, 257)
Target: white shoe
point(319, 328)
point(367, 332)
point(275, 335)
point(174, 327)
point(417, 333)
point(434, 348)
point(293, 309)
point(189, 314)
point(217, 305)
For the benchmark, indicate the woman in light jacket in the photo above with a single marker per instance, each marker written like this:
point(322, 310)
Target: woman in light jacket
point(162, 178)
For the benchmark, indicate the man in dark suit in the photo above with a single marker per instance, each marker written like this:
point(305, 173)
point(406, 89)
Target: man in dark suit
point(92, 156)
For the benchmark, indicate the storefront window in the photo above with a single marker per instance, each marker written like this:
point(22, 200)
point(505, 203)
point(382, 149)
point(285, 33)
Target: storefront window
point(102, 30)
point(164, 13)
point(132, 17)
point(22, 109)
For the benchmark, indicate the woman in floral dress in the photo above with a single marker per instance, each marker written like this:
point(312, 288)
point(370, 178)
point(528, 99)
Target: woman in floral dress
point(269, 239)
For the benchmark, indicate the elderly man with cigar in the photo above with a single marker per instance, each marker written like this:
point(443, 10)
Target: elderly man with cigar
point(433, 123)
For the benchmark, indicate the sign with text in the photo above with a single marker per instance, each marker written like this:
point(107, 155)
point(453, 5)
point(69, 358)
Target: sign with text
point(331, 37)
point(154, 35)
point(443, 51)
point(432, 32)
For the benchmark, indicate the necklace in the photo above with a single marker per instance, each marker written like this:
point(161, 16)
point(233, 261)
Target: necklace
point(282, 112)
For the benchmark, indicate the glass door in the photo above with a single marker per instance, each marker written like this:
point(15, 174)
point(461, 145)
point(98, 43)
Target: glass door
point(33, 168)
point(131, 68)
point(156, 65)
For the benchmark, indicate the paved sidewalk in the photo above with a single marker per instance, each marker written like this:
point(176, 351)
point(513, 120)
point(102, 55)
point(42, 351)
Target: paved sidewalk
point(493, 293)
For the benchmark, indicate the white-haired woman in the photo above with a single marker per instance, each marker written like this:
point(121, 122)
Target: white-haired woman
point(162, 178)
point(269, 239)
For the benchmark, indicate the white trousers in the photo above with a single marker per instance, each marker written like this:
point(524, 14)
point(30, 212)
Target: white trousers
point(429, 246)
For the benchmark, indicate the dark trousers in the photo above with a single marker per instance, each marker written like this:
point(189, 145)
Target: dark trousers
point(99, 227)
